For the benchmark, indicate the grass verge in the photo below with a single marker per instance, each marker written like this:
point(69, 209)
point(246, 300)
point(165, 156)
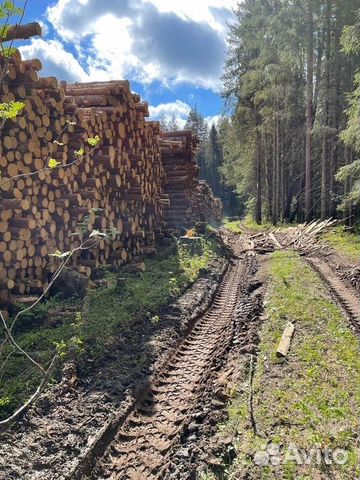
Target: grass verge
point(108, 311)
point(93, 326)
point(308, 402)
point(345, 243)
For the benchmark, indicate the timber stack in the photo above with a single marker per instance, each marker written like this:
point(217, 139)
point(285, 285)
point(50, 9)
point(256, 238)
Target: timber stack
point(78, 158)
point(207, 206)
point(191, 199)
point(178, 149)
point(114, 186)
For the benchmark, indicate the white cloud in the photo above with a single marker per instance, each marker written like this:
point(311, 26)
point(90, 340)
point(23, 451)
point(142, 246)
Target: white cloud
point(212, 119)
point(199, 11)
point(146, 40)
point(178, 108)
point(56, 61)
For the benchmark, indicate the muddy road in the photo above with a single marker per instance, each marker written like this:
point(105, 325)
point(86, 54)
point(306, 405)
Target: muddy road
point(145, 442)
point(142, 435)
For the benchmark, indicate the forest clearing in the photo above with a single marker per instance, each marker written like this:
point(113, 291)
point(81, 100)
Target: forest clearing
point(179, 295)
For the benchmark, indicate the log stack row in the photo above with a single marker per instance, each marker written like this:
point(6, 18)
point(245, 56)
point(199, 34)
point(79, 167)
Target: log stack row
point(113, 171)
point(191, 199)
point(207, 206)
point(115, 186)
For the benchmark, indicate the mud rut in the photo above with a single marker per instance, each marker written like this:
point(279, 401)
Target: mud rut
point(346, 296)
point(145, 440)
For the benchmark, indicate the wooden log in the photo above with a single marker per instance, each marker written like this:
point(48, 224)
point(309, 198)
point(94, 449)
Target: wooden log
point(20, 32)
point(284, 345)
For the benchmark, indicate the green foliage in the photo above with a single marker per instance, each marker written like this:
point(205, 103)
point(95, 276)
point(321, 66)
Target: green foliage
point(265, 88)
point(52, 163)
point(197, 123)
point(7, 10)
point(93, 142)
point(351, 135)
point(43, 332)
point(350, 39)
point(80, 152)
point(9, 111)
point(344, 242)
point(59, 254)
point(61, 349)
point(233, 225)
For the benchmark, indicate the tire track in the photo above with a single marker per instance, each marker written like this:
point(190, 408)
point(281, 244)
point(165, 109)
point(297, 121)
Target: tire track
point(345, 295)
point(142, 446)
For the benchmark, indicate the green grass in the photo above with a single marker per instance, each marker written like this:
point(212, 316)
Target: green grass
point(233, 225)
point(345, 243)
point(248, 223)
point(312, 398)
point(41, 339)
point(106, 313)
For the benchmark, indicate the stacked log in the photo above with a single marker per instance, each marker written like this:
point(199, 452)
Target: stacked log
point(191, 199)
point(127, 174)
point(178, 150)
point(116, 186)
point(208, 208)
point(58, 183)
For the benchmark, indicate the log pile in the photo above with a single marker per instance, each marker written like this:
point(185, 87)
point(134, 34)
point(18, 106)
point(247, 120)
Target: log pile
point(117, 185)
point(191, 199)
point(207, 206)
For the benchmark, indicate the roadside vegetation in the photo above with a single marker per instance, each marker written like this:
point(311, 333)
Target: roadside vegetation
point(344, 242)
point(245, 224)
point(311, 399)
point(90, 327)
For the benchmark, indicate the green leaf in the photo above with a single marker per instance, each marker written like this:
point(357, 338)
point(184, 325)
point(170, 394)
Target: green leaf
point(59, 254)
point(98, 234)
point(10, 110)
point(80, 152)
point(53, 163)
point(93, 142)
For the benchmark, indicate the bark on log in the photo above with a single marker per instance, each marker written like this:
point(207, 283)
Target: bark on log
point(20, 32)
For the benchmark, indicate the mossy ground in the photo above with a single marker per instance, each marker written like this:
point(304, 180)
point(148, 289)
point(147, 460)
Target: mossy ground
point(310, 399)
point(93, 326)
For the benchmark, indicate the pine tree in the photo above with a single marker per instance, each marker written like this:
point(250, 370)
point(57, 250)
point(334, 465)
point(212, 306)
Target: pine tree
point(197, 123)
point(164, 124)
point(173, 123)
point(284, 82)
point(214, 161)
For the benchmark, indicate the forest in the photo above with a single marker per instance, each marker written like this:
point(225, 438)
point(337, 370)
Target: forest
point(289, 139)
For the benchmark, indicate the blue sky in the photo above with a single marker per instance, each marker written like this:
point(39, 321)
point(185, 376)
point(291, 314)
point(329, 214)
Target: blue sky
point(172, 51)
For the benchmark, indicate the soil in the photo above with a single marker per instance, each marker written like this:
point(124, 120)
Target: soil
point(55, 434)
point(349, 272)
point(152, 410)
point(345, 295)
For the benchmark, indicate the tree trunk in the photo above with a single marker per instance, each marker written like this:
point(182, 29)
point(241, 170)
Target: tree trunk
point(309, 111)
point(324, 156)
point(258, 210)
